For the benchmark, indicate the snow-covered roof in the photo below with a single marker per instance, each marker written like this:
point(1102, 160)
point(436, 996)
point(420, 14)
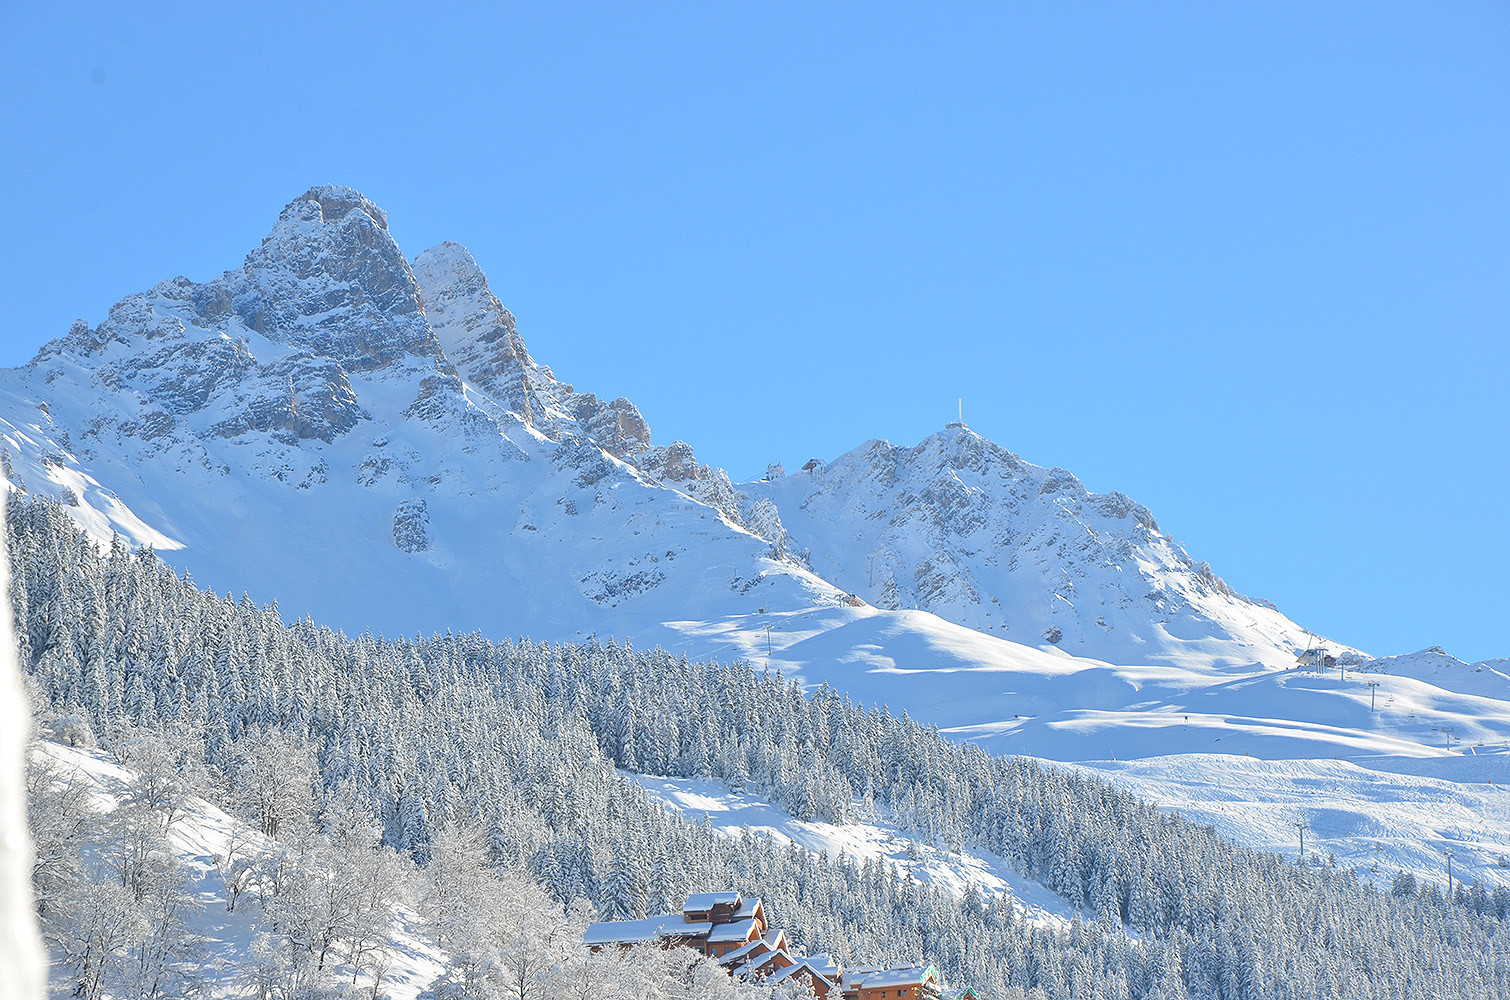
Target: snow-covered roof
point(803, 966)
point(898, 977)
point(700, 901)
point(738, 930)
point(855, 975)
point(824, 964)
point(754, 965)
point(648, 929)
point(747, 908)
point(743, 952)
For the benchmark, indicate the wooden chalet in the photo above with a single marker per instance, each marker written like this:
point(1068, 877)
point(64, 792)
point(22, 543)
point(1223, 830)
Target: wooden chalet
point(904, 982)
point(731, 929)
point(714, 923)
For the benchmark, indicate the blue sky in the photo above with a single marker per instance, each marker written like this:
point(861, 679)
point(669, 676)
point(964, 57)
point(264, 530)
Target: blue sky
point(1248, 263)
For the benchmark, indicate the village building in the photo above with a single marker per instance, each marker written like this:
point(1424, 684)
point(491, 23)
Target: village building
point(714, 923)
point(732, 930)
point(903, 982)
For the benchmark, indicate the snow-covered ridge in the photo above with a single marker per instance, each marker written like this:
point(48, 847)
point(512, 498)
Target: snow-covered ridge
point(962, 527)
point(366, 439)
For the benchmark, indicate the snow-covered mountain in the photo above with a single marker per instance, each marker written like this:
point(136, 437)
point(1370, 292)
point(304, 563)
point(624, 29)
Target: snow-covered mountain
point(366, 439)
point(298, 428)
point(963, 528)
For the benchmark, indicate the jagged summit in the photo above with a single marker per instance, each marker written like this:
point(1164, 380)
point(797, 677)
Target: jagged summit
point(336, 202)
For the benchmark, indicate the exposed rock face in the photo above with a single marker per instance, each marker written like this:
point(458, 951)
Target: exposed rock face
point(269, 348)
point(411, 525)
point(273, 346)
point(477, 333)
point(298, 397)
point(764, 519)
point(330, 279)
point(480, 336)
point(675, 465)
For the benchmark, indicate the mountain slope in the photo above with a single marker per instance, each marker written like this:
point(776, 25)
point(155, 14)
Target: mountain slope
point(202, 837)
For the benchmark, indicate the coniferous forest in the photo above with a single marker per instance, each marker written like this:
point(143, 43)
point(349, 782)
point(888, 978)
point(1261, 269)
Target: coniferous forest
point(453, 754)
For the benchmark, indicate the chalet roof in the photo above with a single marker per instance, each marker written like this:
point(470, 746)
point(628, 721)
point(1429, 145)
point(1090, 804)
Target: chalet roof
point(738, 930)
point(773, 935)
point(898, 977)
point(824, 964)
point(805, 965)
point(754, 965)
point(747, 908)
point(855, 975)
point(745, 952)
point(700, 901)
point(649, 929)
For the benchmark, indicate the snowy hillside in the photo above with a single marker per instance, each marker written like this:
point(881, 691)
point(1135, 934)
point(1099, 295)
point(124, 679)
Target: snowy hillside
point(1382, 815)
point(734, 814)
point(221, 940)
point(357, 756)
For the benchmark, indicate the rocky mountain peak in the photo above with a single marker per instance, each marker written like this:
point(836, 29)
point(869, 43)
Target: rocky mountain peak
point(336, 202)
point(330, 277)
point(962, 527)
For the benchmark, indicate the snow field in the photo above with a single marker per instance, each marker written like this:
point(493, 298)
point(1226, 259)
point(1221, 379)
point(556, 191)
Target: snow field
point(1371, 813)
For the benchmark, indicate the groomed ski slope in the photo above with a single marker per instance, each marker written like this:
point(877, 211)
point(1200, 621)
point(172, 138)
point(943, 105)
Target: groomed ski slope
point(1045, 703)
point(1379, 814)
